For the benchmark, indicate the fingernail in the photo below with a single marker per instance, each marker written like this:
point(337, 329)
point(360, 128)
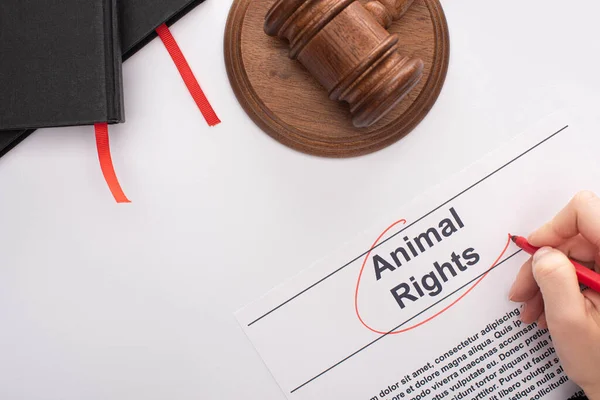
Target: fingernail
point(523, 308)
point(541, 253)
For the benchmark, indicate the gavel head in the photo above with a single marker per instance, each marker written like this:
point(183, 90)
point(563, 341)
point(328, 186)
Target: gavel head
point(346, 47)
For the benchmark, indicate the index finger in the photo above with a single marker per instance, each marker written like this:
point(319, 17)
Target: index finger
point(580, 216)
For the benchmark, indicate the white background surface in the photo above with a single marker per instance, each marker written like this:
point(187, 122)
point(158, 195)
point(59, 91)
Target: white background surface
point(107, 301)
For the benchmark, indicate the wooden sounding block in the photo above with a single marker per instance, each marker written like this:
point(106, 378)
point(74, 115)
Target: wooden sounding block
point(336, 78)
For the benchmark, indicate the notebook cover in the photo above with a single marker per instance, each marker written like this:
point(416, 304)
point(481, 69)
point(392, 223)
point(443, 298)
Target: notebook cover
point(61, 63)
point(138, 20)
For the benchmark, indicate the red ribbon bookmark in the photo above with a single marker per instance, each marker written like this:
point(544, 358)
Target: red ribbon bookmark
point(188, 76)
point(106, 163)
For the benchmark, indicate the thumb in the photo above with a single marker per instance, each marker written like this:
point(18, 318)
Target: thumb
point(555, 275)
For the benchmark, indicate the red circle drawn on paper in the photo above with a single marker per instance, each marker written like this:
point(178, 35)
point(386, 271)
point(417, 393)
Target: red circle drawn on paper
point(462, 296)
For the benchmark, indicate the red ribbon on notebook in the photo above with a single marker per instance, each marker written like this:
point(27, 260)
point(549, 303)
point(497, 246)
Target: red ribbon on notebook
point(102, 141)
point(188, 76)
point(106, 163)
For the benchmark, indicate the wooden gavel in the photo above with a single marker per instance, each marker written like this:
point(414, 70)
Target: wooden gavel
point(347, 48)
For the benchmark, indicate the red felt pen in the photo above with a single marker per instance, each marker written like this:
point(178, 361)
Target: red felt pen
point(585, 275)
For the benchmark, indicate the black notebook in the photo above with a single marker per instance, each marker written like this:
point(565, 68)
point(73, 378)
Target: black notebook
point(138, 20)
point(60, 63)
point(9, 139)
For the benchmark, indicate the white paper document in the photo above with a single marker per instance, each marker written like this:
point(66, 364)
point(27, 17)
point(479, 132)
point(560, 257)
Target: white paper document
point(417, 308)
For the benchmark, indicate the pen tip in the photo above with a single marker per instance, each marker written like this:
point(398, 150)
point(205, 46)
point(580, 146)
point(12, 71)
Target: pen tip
point(513, 238)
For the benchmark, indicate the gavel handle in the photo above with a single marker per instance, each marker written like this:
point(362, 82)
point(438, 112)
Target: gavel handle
point(388, 11)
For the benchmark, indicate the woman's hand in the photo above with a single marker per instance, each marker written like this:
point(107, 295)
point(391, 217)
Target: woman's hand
point(548, 286)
